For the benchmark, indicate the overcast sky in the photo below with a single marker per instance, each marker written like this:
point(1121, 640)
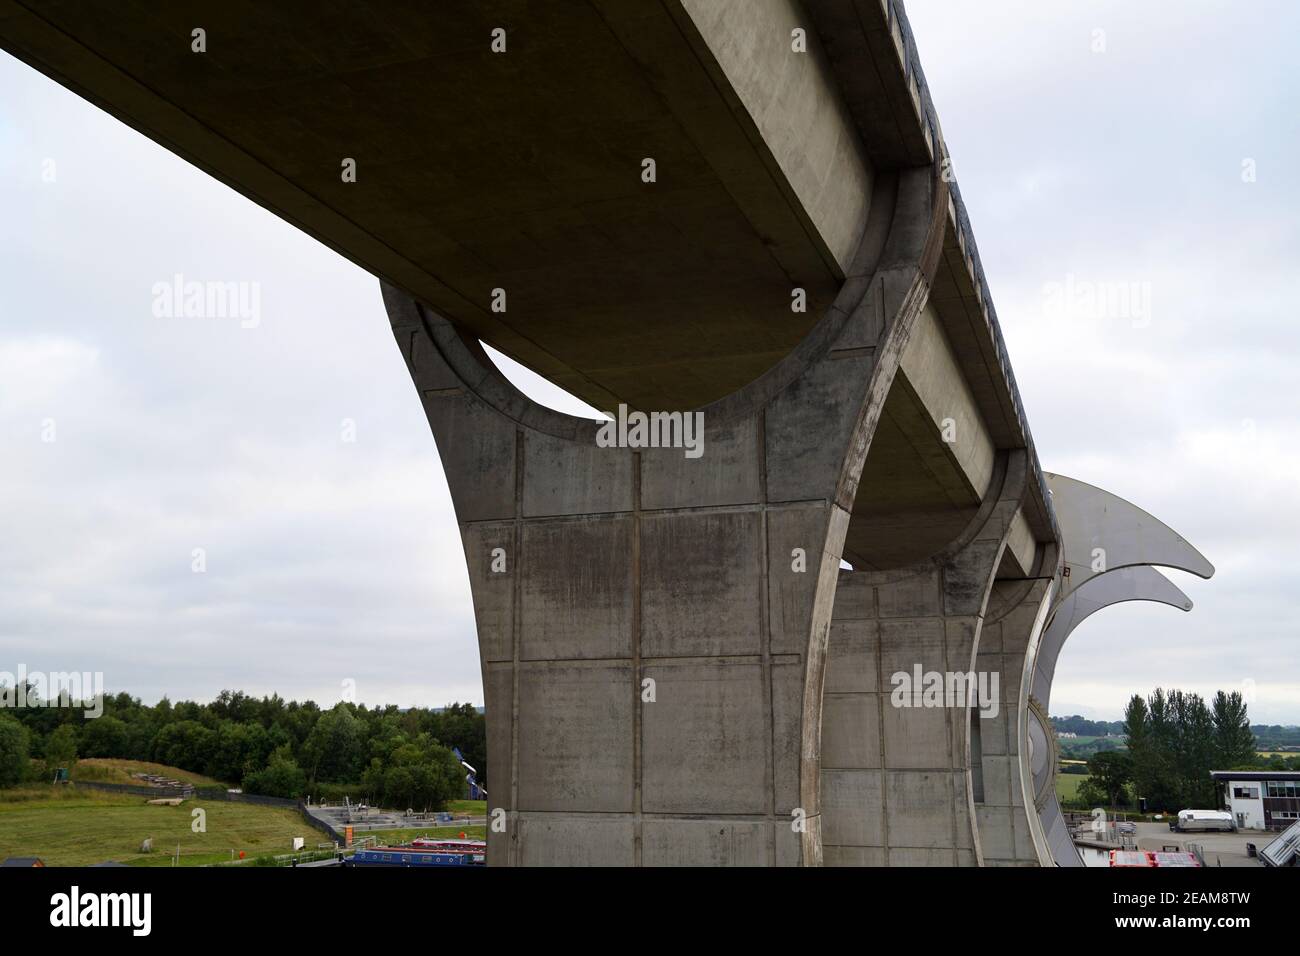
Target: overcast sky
point(1100, 147)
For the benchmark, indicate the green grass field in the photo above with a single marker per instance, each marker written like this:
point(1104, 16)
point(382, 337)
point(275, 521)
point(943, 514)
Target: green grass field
point(69, 827)
point(1067, 785)
point(467, 808)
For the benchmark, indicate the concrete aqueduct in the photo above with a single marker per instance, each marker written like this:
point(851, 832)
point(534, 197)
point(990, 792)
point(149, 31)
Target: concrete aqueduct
point(634, 199)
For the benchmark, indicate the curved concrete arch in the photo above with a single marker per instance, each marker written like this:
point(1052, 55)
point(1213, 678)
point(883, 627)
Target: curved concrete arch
point(1042, 747)
point(1036, 741)
point(1101, 532)
point(1109, 550)
point(1139, 583)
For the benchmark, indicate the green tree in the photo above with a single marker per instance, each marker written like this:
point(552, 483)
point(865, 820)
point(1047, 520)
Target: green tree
point(1092, 794)
point(461, 725)
point(1199, 753)
point(1112, 772)
point(386, 735)
point(422, 775)
point(400, 787)
point(105, 736)
point(14, 744)
point(186, 744)
point(1163, 789)
point(282, 777)
point(1234, 741)
point(1175, 740)
point(141, 733)
point(1137, 730)
point(60, 750)
point(373, 780)
point(238, 749)
point(335, 749)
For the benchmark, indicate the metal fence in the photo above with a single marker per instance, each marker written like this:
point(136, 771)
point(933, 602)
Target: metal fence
point(158, 793)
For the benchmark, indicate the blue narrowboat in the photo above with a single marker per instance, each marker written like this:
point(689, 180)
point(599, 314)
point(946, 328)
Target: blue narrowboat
point(423, 852)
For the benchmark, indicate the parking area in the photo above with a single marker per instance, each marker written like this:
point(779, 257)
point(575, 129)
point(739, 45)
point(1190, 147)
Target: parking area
point(1220, 849)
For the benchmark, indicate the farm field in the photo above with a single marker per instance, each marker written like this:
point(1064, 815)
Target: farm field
point(1067, 785)
point(1085, 746)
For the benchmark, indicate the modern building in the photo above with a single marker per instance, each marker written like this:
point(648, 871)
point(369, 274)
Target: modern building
point(1261, 799)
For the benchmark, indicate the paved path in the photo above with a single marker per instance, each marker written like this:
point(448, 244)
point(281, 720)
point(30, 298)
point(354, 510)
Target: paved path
point(1221, 849)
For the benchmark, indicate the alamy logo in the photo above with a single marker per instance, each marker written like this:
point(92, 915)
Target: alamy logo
point(55, 689)
point(179, 299)
point(134, 910)
point(1082, 299)
point(946, 689)
point(655, 430)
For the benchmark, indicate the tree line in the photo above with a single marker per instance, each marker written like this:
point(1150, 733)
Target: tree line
point(395, 757)
point(1174, 739)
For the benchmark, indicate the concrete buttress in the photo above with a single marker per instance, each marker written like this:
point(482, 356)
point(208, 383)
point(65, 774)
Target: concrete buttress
point(653, 627)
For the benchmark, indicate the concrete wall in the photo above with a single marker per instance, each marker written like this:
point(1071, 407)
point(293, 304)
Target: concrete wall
point(1013, 623)
point(619, 571)
point(897, 780)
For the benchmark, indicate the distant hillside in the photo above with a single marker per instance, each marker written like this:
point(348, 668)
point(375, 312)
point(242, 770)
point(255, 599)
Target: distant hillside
point(1083, 727)
point(1268, 737)
point(1276, 736)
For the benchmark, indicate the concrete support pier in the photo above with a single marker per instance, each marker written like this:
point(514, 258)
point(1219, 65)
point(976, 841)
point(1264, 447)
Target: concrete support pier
point(652, 626)
point(908, 778)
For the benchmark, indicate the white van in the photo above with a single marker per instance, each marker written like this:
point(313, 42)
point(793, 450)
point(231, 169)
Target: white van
point(1192, 820)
